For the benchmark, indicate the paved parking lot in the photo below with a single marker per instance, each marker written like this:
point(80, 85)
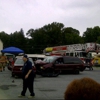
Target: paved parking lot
point(46, 88)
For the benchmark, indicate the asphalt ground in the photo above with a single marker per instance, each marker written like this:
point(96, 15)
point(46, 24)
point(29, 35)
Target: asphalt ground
point(45, 88)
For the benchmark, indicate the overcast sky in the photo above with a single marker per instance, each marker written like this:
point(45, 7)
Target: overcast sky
point(27, 14)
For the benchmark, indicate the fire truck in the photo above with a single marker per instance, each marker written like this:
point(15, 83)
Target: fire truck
point(86, 52)
point(79, 50)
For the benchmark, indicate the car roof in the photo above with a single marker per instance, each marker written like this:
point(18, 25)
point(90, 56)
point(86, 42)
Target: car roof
point(36, 55)
point(33, 55)
point(20, 57)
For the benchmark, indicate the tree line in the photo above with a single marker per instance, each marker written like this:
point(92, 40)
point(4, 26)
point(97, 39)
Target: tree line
point(54, 34)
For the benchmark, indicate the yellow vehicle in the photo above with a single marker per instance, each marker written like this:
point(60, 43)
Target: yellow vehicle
point(96, 60)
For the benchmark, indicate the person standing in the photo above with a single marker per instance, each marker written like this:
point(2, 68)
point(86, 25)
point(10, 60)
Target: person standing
point(3, 61)
point(88, 61)
point(28, 77)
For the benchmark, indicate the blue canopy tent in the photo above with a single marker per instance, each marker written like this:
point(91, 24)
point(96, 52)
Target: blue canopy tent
point(12, 50)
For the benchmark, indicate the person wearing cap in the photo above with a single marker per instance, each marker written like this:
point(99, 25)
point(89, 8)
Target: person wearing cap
point(28, 77)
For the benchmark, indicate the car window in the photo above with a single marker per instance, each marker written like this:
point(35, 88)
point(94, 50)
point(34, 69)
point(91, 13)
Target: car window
point(20, 61)
point(59, 61)
point(49, 59)
point(72, 60)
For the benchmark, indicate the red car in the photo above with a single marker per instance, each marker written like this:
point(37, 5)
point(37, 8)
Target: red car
point(17, 68)
point(54, 65)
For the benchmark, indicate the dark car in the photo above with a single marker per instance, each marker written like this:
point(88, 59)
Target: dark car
point(17, 68)
point(54, 65)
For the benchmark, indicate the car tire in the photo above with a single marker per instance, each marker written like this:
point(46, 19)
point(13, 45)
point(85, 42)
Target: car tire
point(76, 71)
point(56, 73)
point(50, 73)
point(47, 72)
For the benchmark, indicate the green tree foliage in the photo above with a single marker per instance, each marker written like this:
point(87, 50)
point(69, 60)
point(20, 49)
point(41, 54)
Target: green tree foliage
point(98, 39)
point(18, 39)
point(92, 34)
point(5, 39)
point(70, 36)
point(48, 35)
point(30, 32)
point(53, 34)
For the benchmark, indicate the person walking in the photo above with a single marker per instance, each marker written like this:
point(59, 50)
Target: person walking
point(28, 77)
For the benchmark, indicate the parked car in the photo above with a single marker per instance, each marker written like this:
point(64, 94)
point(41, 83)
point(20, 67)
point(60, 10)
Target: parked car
point(17, 68)
point(54, 65)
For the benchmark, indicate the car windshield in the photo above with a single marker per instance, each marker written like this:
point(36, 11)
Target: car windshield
point(20, 61)
point(50, 59)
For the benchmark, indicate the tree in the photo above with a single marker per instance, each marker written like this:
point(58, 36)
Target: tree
point(5, 39)
point(48, 35)
point(53, 34)
point(71, 36)
point(92, 34)
point(30, 32)
point(17, 39)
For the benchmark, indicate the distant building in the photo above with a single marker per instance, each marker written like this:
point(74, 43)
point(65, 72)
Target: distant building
point(1, 46)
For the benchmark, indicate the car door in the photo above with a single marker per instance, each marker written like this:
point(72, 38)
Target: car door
point(61, 65)
point(58, 64)
point(70, 63)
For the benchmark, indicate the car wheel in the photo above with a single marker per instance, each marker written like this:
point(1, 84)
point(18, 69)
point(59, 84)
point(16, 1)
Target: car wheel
point(50, 73)
point(56, 73)
point(76, 71)
point(47, 72)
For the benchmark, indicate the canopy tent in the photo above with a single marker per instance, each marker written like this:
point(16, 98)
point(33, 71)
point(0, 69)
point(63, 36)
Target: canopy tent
point(12, 50)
